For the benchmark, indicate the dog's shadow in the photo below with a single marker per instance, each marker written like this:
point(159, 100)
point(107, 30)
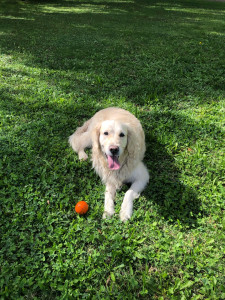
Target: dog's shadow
point(173, 199)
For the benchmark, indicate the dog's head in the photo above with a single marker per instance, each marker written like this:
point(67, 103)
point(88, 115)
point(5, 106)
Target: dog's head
point(113, 142)
point(116, 142)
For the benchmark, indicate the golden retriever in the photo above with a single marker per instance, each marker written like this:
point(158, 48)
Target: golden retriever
point(118, 146)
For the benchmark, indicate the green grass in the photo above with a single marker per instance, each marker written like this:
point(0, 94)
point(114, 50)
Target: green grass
point(60, 62)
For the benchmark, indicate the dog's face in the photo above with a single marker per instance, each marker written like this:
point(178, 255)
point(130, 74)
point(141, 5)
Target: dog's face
point(113, 141)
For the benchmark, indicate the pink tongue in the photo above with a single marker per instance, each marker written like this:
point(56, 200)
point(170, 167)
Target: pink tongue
point(113, 163)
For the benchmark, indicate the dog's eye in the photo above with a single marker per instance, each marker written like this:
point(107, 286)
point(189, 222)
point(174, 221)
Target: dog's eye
point(122, 134)
point(106, 133)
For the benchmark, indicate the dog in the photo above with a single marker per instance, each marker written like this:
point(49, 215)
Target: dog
point(118, 145)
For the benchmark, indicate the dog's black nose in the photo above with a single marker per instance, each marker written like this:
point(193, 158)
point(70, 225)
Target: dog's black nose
point(114, 150)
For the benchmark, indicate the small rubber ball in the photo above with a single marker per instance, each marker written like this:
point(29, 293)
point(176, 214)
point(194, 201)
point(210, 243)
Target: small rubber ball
point(81, 207)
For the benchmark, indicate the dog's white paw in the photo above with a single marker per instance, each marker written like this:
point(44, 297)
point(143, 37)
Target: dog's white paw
point(126, 210)
point(125, 215)
point(107, 214)
point(82, 155)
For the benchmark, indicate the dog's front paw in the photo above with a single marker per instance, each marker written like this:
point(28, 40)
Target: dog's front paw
point(125, 215)
point(107, 214)
point(82, 155)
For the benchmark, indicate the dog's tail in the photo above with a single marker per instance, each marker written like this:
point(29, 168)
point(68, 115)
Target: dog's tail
point(76, 137)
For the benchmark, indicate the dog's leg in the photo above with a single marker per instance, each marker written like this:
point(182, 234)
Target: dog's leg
point(85, 142)
point(141, 178)
point(80, 140)
point(109, 201)
point(79, 143)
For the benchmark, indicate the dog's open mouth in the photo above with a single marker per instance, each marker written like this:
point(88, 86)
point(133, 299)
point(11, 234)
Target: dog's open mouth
point(113, 162)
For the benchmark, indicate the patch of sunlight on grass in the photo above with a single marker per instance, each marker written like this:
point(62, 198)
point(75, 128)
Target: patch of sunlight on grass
point(217, 33)
point(4, 33)
point(84, 8)
point(196, 11)
point(16, 18)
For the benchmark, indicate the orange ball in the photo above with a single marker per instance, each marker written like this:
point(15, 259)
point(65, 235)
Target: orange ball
point(81, 207)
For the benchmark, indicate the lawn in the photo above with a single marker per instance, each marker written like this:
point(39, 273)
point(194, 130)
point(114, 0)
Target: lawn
point(62, 61)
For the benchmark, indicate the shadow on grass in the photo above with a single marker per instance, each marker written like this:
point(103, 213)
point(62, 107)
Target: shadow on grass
point(173, 199)
point(35, 150)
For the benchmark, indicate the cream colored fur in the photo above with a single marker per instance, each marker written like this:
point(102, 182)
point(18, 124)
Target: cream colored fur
point(131, 147)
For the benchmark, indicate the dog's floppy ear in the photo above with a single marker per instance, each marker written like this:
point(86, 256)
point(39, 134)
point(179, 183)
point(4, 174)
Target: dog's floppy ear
point(95, 138)
point(136, 143)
